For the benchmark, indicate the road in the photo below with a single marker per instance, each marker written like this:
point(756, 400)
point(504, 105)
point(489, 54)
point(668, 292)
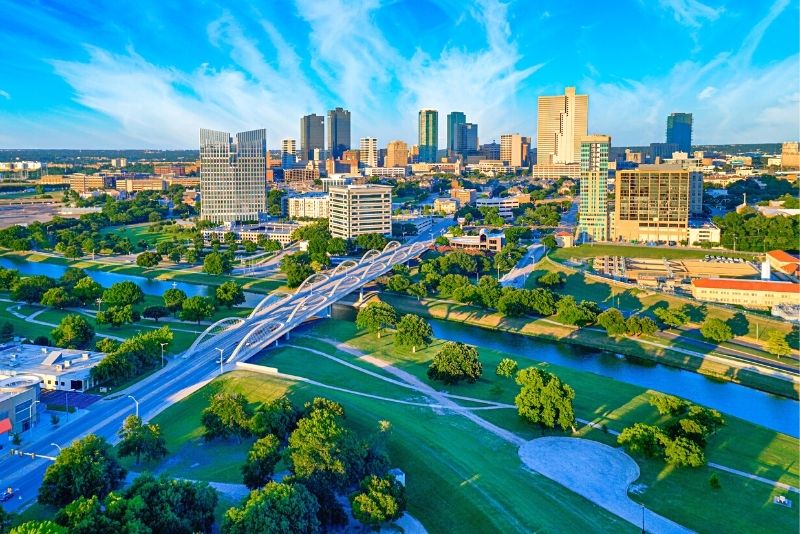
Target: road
point(197, 366)
point(516, 277)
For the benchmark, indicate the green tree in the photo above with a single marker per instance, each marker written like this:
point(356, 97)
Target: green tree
point(419, 290)
point(683, 453)
point(155, 312)
point(551, 279)
point(123, 294)
point(549, 241)
point(87, 291)
point(613, 322)
point(117, 316)
point(8, 277)
point(57, 297)
point(668, 404)
point(455, 362)
point(296, 267)
point(138, 438)
point(371, 241)
point(173, 299)
point(276, 508)
point(570, 312)
point(671, 317)
point(226, 416)
point(506, 367)
point(229, 294)
point(643, 439)
point(87, 467)
point(544, 400)
point(73, 332)
point(716, 330)
point(413, 331)
point(376, 316)
point(148, 259)
point(31, 289)
point(216, 264)
point(378, 501)
point(38, 527)
point(196, 308)
point(261, 461)
point(278, 417)
point(777, 344)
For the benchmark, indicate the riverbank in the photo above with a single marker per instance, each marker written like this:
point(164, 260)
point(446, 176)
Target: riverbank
point(652, 349)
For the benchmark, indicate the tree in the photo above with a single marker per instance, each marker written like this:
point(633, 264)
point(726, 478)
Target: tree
point(777, 344)
point(671, 317)
point(216, 263)
point(229, 294)
point(506, 367)
point(379, 500)
point(38, 527)
point(117, 316)
point(398, 283)
point(376, 316)
point(683, 452)
point(278, 417)
point(544, 400)
point(455, 362)
point(73, 332)
point(8, 277)
point(57, 297)
point(123, 294)
point(155, 312)
point(419, 290)
point(87, 291)
point(570, 312)
point(371, 241)
point(140, 439)
point(643, 439)
point(106, 344)
point(87, 467)
point(31, 289)
point(148, 259)
point(226, 416)
point(668, 404)
point(549, 241)
point(196, 309)
point(337, 246)
point(413, 331)
point(173, 299)
point(261, 461)
point(716, 330)
point(551, 279)
point(297, 268)
point(276, 508)
point(613, 322)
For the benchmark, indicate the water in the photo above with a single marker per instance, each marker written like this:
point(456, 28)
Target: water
point(777, 413)
point(106, 279)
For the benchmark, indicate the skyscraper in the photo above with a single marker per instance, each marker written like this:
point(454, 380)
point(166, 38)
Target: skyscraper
point(563, 121)
point(428, 135)
point(288, 152)
point(593, 220)
point(312, 135)
point(679, 131)
point(368, 148)
point(338, 132)
point(467, 139)
point(396, 154)
point(233, 175)
point(454, 119)
point(514, 149)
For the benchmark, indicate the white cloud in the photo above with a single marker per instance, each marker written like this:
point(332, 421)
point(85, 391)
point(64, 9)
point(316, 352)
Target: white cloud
point(691, 12)
point(4, 94)
point(706, 93)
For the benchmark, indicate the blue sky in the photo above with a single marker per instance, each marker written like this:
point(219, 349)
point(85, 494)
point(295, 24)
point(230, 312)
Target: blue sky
point(151, 73)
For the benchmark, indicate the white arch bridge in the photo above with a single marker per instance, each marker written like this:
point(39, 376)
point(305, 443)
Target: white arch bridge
point(238, 339)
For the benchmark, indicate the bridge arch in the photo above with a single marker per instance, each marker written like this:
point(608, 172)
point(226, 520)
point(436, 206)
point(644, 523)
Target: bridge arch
point(311, 280)
point(347, 279)
point(304, 302)
point(368, 256)
point(391, 245)
point(258, 332)
point(380, 264)
point(227, 323)
point(344, 266)
point(262, 305)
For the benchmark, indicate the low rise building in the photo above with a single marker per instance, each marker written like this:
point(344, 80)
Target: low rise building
point(280, 232)
point(784, 262)
point(308, 206)
point(62, 369)
point(703, 232)
point(174, 170)
point(83, 183)
point(389, 172)
point(19, 396)
point(446, 206)
point(564, 239)
point(554, 171)
point(505, 205)
point(463, 196)
point(747, 293)
point(360, 209)
point(421, 223)
point(134, 185)
point(493, 242)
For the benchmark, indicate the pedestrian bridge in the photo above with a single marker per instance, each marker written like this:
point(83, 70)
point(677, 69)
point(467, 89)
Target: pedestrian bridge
point(235, 339)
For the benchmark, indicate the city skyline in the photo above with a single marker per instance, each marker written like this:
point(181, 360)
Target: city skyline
point(78, 80)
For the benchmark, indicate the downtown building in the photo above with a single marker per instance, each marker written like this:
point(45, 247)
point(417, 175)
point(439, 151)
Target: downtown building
point(562, 122)
point(233, 175)
point(593, 214)
point(338, 132)
point(454, 121)
point(396, 154)
point(354, 210)
point(312, 136)
point(679, 131)
point(514, 149)
point(368, 151)
point(428, 135)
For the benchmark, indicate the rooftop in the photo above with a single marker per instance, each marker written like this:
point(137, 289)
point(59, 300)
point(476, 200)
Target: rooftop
point(21, 359)
point(746, 285)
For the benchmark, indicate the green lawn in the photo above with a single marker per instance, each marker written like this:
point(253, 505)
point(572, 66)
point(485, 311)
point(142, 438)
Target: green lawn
point(144, 232)
point(632, 251)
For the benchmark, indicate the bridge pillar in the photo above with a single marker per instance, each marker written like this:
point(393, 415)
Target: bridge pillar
point(287, 336)
point(361, 294)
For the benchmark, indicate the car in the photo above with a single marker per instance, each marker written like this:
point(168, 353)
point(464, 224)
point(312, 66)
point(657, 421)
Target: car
point(9, 493)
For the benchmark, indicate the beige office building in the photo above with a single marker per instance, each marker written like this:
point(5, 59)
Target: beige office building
point(790, 156)
point(355, 210)
point(514, 149)
point(396, 154)
point(308, 206)
point(368, 149)
point(654, 203)
point(563, 121)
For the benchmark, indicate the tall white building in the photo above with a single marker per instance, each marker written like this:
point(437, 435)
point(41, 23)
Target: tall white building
point(233, 175)
point(308, 206)
point(593, 219)
point(354, 210)
point(289, 146)
point(368, 149)
point(563, 121)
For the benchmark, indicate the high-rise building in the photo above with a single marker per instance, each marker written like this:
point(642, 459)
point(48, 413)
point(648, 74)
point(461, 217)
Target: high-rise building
point(454, 119)
point(396, 154)
point(338, 132)
point(467, 139)
point(428, 135)
point(679, 131)
point(288, 152)
point(790, 155)
point(655, 203)
point(368, 148)
point(593, 219)
point(563, 121)
point(514, 149)
point(233, 175)
point(312, 135)
point(354, 210)
point(662, 150)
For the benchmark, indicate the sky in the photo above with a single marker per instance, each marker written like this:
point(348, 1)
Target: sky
point(150, 74)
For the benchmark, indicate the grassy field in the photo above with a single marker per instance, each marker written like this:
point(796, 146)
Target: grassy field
point(632, 251)
point(145, 232)
point(477, 477)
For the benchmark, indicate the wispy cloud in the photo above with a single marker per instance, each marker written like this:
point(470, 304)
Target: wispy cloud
point(4, 94)
point(691, 13)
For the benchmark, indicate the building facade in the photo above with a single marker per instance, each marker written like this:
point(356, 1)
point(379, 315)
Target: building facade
point(428, 135)
point(338, 132)
point(514, 149)
point(679, 131)
point(446, 206)
point(368, 150)
point(593, 219)
point(355, 210)
point(563, 121)
point(233, 175)
point(790, 155)
point(467, 139)
point(308, 206)
point(483, 241)
point(454, 120)
point(312, 135)
point(396, 154)
point(747, 293)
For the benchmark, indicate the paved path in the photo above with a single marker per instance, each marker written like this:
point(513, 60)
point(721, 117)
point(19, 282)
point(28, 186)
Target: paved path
point(598, 472)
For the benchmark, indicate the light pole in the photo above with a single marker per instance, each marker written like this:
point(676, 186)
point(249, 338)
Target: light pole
point(643, 530)
point(221, 352)
point(135, 402)
point(162, 353)
point(99, 302)
point(57, 446)
point(30, 410)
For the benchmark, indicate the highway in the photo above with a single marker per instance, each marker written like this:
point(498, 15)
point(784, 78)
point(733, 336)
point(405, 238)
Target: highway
point(237, 339)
